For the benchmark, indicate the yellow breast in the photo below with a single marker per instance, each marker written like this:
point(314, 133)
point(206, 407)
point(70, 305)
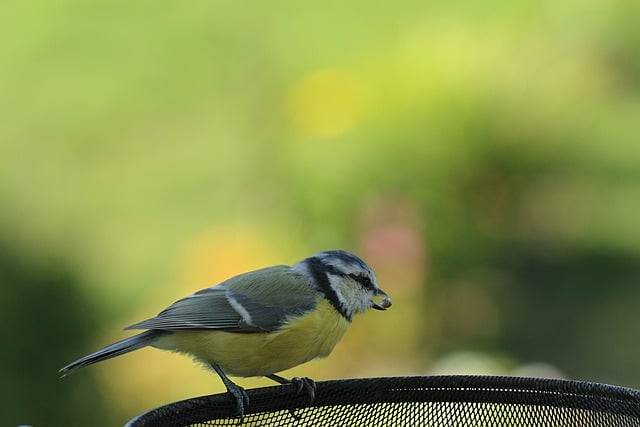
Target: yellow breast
point(254, 354)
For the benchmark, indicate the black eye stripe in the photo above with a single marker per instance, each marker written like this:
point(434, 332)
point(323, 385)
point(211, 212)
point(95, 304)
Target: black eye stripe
point(365, 281)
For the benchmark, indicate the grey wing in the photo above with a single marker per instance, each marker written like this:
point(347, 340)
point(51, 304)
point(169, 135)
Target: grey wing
point(257, 301)
point(206, 309)
point(268, 297)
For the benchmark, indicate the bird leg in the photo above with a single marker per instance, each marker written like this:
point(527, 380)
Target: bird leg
point(238, 393)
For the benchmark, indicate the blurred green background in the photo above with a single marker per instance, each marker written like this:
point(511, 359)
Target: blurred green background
point(483, 157)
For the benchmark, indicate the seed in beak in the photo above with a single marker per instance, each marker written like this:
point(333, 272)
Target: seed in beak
point(383, 304)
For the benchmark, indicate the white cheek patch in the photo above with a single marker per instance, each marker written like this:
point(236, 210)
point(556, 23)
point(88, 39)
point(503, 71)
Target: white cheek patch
point(362, 301)
point(246, 317)
point(336, 285)
point(351, 296)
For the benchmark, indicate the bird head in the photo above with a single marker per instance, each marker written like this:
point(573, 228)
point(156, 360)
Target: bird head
point(346, 280)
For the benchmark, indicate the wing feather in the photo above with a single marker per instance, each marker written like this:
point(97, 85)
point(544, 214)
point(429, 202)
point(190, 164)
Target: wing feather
point(257, 301)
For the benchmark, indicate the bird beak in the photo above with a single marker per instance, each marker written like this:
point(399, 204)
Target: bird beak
point(381, 300)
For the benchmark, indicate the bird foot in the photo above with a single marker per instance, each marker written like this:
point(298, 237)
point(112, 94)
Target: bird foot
point(306, 384)
point(241, 399)
point(302, 384)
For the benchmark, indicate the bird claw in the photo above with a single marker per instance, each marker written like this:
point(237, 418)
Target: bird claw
point(301, 384)
point(241, 398)
point(306, 384)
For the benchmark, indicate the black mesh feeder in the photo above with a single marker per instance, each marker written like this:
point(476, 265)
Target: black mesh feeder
point(440, 401)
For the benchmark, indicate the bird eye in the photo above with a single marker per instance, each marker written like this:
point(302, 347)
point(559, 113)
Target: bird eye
point(365, 281)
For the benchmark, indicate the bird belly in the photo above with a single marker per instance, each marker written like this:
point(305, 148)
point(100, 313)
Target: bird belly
point(255, 354)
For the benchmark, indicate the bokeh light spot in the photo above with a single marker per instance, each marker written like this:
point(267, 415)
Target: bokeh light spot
point(326, 103)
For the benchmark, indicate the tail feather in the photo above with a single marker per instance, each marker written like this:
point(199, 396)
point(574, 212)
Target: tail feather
point(116, 349)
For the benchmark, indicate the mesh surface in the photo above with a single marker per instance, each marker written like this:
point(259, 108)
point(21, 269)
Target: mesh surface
point(416, 401)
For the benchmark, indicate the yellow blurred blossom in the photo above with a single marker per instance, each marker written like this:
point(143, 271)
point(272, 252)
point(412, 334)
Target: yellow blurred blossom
point(327, 103)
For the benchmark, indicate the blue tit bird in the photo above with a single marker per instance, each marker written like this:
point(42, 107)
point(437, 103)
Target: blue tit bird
point(261, 322)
